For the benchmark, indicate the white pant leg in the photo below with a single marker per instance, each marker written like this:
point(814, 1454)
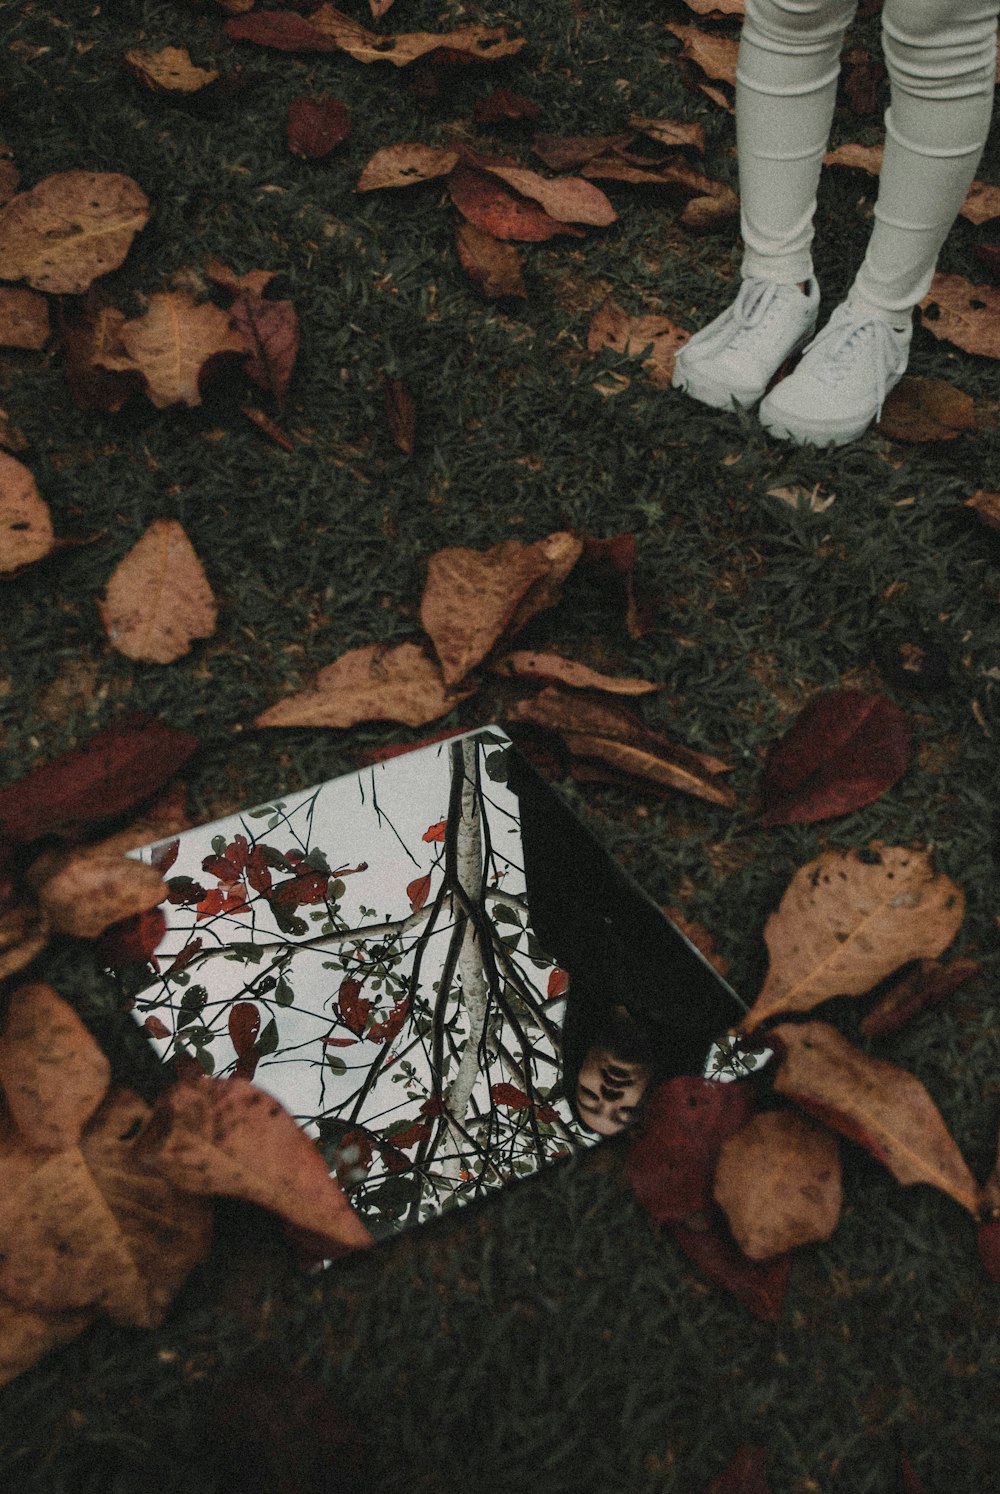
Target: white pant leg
point(941, 58)
point(786, 88)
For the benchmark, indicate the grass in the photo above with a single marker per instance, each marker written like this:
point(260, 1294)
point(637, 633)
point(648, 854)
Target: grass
point(555, 1338)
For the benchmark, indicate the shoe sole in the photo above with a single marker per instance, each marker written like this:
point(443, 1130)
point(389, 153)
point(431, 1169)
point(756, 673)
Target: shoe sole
point(820, 434)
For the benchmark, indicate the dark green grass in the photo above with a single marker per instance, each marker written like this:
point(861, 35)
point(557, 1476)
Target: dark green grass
point(557, 1339)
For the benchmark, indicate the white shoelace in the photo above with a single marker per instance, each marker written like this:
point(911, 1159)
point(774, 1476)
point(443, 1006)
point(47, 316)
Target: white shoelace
point(844, 338)
point(748, 313)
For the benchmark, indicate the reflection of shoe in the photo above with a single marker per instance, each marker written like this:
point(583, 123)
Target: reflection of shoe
point(840, 385)
point(736, 355)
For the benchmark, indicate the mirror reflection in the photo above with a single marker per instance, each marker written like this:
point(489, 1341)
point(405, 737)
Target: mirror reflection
point(434, 967)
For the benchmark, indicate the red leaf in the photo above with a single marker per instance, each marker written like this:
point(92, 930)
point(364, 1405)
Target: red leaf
point(134, 938)
point(164, 856)
point(558, 983)
point(185, 956)
point(156, 1027)
point(244, 1026)
point(502, 104)
point(759, 1285)
point(386, 1030)
point(340, 1042)
point(673, 1150)
point(114, 771)
point(433, 1106)
point(307, 887)
point(417, 891)
point(221, 868)
point(355, 1009)
point(745, 1474)
point(315, 125)
point(280, 29)
point(843, 750)
point(272, 330)
point(510, 1095)
point(486, 202)
point(419, 1131)
point(612, 560)
point(925, 987)
point(988, 1247)
point(187, 893)
point(218, 900)
point(353, 1158)
point(395, 1160)
point(435, 832)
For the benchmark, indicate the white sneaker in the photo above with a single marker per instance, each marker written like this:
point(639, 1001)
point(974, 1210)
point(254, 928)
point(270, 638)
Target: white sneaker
point(840, 385)
point(733, 359)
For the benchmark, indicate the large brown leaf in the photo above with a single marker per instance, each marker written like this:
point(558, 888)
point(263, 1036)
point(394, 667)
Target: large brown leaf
point(594, 729)
point(714, 54)
point(981, 204)
point(169, 70)
point(847, 920)
point(25, 526)
point(158, 598)
point(491, 264)
point(270, 329)
point(475, 42)
point(24, 932)
point(171, 346)
point(405, 166)
point(82, 892)
point(71, 228)
point(967, 315)
point(52, 1072)
point(926, 410)
point(494, 208)
point(777, 1181)
point(611, 327)
point(281, 29)
point(570, 199)
point(553, 669)
point(24, 318)
point(89, 335)
point(924, 987)
point(879, 1106)
point(26, 1336)
point(369, 684)
point(674, 1147)
point(223, 1136)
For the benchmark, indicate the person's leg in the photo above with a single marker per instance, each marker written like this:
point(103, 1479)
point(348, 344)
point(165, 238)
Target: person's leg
point(786, 86)
point(941, 56)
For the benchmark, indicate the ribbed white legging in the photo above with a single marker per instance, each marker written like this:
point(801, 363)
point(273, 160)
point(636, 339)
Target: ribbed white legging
point(941, 60)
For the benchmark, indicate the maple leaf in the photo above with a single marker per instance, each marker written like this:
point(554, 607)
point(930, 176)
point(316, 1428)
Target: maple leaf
point(158, 599)
point(846, 921)
point(172, 345)
point(69, 229)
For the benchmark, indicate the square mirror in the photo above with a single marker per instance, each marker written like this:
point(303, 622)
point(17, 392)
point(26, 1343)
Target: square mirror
point(434, 967)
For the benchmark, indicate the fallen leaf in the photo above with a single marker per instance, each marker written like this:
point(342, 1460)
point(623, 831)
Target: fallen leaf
point(405, 166)
point(477, 43)
point(717, 96)
point(986, 507)
point(612, 562)
point(116, 769)
point(759, 1285)
point(615, 736)
point(861, 76)
point(23, 934)
point(89, 334)
point(313, 126)
point(502, 104)
point(281, 29)
point(673, 1148)
point(401, 415)
point(82, 892)
point(71, 228)
point(699, 936)
point(967, 315)
point(158, 599)
point(270, 329)
point(223, 1136)
point(491, 207)
point(170, 70)
point(989, 256)
point(218, 273)
point(711, 9)
point(27, 1336)
point(926, 410)
point(924, 988)
point(172, 344)
point(267, 427)
point(567, 152)
point(874, 1103)
point(711, 213)
point(52, 1072)
point(132, 940)
point(676, 134)
point(491, 264)
point(843, 750)
point(857, 157)
point(714, 55)
point(12, 438)
point(554, 669)
point(569, 199)
point(369, 684)
point(777, 1180)
point(611, 327)
point(10, 177)
point(24, 318)
point(25, 526)
point(982, 202)
point(745, 1474)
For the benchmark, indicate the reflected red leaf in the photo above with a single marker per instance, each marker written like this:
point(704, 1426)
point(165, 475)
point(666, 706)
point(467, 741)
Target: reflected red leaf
point(185, 956)
point(394, 1159)
point(220, 900)
point(134, 938)
point(924, 987)
point(332, 1042)
point(509, 1095)
point(114, 771)
point(843, 751)
point(306, 887)
point(157, 1028)
point(611, 560)
point(495, 209)
point(164, 856)
point(673, 1150)
point(419, 1131)
point(385, 1030)
point(282, 29)
point(558, 983)
point(758, 1285)
point(435, 832)
point(744, 1475)
point(433, 1106)
point(417, 891)
point(244, 1027)
point(355, 1009)
point(313, 126)
point(271, 328)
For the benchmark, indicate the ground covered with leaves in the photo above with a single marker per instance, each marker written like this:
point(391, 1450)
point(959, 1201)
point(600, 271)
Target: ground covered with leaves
point(441, 386)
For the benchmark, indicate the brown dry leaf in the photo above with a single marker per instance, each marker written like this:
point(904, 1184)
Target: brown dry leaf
point(986, 507)
point(472, 597)
point(967, 315)
point(90, 335)
point(717, 96)
point(698, 936)
point(27, 1336)
point(858, 157)
point(10, 177)
point(475, 42)
point(925, 986)
point(676, 134)
point(568, 152)
point(223, 1136)
point(707, 214)
point(12, 438)
point(268, 427)
point(71, 228)
point(52, 1072)
point(611, 327)
point(847, 920)
point(23, 934)
point(369, 684)
point(491, 264)
point(553, 669)
point(24, 318)
point(25, 526)
point(405, 166)
point(171, 344)
point(570, 199)
point(158, 598)
point(926, 410)
point(711, 10)
point(796, 495)
point(881, 1107)
point(254, 281)
point(82, 892)
point(670, 172)
point(595, 729)
point(982, 203)
point(166, 816)
point(715, 55)
point(170, 70)
point(778, 1183)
